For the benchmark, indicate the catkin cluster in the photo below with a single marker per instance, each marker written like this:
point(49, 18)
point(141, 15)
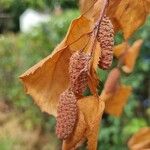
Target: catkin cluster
point(66, 114)
point(78, 76)
point(106, 39)
point(78, 71)
point(67, 106)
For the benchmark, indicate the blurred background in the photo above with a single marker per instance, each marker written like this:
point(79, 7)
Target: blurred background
point(29, 30)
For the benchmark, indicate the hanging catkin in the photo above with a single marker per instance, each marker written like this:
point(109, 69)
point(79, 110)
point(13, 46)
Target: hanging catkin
point(78, 71)
point(106, 39)
point(66, 114)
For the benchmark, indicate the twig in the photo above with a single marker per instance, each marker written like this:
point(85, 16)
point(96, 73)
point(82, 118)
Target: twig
point(93, 46)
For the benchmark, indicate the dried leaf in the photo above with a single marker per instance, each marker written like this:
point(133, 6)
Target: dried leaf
point(131, 56)
point(90, 8)
point(120, 49)
point(90, 113)
point(87, 6)
point(115, 103)
point(40, 80)
point(147, 6)
point(112, 81)
point(113, 5)
point(128, 15)
point(140, 140)
point(77, 36)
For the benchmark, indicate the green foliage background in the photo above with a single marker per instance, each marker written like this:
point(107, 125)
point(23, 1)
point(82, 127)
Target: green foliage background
point(20, 51)
point(13, 8)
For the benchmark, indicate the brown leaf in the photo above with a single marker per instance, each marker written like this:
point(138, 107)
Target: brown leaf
point(128, 15)
point(87, 6)
point(120, 49)
point(90, 113)
point(40, 80)
point(140, 140)
point(77, 36)
point(112, 81)
point(131, 56)
point(90, 8)
point(115, 103)
point(147, 6)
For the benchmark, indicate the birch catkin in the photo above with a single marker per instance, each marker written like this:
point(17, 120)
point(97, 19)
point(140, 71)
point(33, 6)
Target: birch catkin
point(67, 105)
point(66, 114)
point(78, 71)
point(106, 39)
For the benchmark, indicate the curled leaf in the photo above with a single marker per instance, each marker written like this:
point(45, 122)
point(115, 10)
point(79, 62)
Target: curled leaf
point(78, 33)
point(87, 7)
point(91, 8)
point(115, 103)
point(140, 140)
point(112, 81)
point(120, 49)
point(131, 56)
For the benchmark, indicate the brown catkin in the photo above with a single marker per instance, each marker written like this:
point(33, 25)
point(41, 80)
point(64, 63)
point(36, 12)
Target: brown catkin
point(78, 71)
point(106, 39)
point(66, 114)
point(112, 81)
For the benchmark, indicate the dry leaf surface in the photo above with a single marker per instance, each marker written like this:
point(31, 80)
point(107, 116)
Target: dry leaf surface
point(140, 140)
point(120, 49)
point(40, 80)
point(131, 56)
point(115, 103)
point(91, 8)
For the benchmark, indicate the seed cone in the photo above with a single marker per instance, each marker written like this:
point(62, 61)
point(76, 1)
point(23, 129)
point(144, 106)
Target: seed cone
point(78, 70)
point(67, 114)
point(112, 81)
point(106, 39)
